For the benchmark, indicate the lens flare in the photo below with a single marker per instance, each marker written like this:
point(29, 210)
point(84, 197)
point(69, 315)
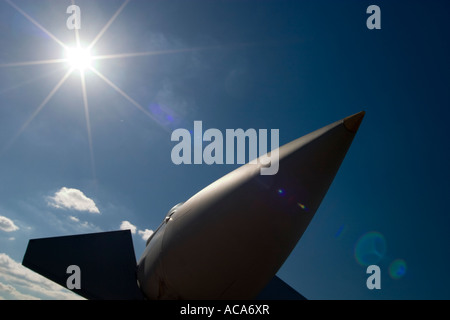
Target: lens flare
point(338, 233)
point(370, 248)
point(397, 268)
point(301, 205)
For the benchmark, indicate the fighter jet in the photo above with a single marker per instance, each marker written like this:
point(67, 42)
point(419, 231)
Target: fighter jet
point(226, 242)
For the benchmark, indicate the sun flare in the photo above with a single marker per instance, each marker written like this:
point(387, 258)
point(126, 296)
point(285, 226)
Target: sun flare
point(79, 58)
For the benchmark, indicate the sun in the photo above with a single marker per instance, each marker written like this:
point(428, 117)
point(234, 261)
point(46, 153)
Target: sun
point(79, 58)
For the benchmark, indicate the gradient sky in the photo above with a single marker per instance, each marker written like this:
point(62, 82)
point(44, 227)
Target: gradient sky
point(289, 65)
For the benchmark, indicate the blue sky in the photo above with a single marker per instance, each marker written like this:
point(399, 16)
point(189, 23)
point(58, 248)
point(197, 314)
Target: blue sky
point(289, 65)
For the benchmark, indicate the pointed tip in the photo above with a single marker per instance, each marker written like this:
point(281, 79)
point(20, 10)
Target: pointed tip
point(352, 123)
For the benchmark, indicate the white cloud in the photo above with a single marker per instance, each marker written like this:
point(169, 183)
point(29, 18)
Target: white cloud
point(83, 226)
point(125, 225)
point(7, 224)
point(75, 219)
point(18, 282)
point(69, 198)
point(12, 292)
point(145, 234)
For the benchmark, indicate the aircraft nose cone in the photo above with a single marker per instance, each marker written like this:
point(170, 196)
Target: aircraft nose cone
point(229, 239)
point(308, 165)
point(352, 123)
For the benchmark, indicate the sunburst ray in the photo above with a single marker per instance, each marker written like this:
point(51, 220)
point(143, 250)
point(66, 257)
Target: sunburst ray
point(32, 63)
point(88, 122)
point(29, 18)
point(126, 96)
point(36, 112)
point(107, 25)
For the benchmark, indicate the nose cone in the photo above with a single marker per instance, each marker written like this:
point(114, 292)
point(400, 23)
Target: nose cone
point(352, 123)
point(308, 165)
point(230, 239)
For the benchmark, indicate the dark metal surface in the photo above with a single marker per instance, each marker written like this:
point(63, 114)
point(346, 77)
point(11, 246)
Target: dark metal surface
point(106, 260)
